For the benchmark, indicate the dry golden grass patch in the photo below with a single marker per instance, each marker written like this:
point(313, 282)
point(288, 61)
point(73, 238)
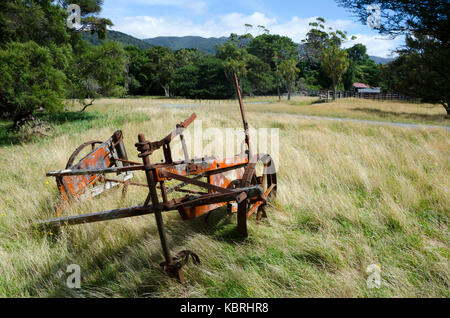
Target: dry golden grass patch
point(350, 195)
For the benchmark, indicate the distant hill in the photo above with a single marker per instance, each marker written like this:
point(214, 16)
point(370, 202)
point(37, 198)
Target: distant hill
point(123, 38)
point(381, 60)
point(207, 45)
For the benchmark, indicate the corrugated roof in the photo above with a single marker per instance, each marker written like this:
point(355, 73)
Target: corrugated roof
point(360, 85)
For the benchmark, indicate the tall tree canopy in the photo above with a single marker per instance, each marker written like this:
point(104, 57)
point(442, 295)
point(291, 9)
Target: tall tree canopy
point(422, 68)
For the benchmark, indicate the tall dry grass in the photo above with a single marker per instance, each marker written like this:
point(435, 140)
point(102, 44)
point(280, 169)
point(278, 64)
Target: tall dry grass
point(350, 195)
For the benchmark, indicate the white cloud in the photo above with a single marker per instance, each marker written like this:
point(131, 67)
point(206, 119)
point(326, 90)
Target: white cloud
point(223, 25)
point(196, 7)
point(377, 45)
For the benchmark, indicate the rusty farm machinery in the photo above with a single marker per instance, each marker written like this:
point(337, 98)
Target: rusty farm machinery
point(246, 195)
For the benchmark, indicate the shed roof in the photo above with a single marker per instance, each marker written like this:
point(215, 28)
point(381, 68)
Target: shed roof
point(360, 85)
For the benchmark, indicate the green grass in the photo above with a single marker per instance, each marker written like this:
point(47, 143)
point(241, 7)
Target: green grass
point(350, 195)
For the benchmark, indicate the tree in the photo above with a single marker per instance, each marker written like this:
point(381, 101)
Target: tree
point(31, 79)
point(361, 68)
point(289, 72)
point(422, 68)
point(57, 60)
point(260, 79)
point(160, 66)
point(319, 38)
point(335, 63)
point(273, 49)
point(90, 21)
point(235, 57)
point(138, 78)
point(203, 79)
point(32, 20)
point(101, 71)
point(408, 17)
point(422, 73)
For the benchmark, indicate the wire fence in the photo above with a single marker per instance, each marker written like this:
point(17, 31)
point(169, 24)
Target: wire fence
point(327, 95)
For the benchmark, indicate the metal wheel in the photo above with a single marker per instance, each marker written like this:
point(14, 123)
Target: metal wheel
point(79, 150)
point(255, 175)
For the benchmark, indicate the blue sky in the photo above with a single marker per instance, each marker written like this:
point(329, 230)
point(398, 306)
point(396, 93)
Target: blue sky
point(213, 18)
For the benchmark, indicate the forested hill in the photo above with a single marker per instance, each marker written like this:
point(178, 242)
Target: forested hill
point(381, 60)
point(123, 38)
point(207, 45)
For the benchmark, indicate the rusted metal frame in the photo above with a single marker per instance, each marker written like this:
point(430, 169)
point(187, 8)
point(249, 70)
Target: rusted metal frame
point(167, 153)
point(126, 182)
point(120, 148)
point(149, 173)
point(147, 147)
point(244, 119)
point(234, 167)
point(147, 209)
point(180, 128)
point(183, 184)
point(75, 172)
point(185, 151)
point(261, 201)
point(99, 216)
point(107, 185)
point(163, 191)
point(243, 206)
point(201, 184)
point(212, 198)
point(132, 163)
point(190, 191)
point(59, 182)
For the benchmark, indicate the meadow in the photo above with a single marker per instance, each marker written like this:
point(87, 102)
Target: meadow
point(349, 195)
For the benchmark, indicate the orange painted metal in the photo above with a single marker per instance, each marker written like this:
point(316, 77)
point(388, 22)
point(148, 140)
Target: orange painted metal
point(231, 182)
point(256, 206)
point(75, 186)
point(208, 165)
point(200, 166)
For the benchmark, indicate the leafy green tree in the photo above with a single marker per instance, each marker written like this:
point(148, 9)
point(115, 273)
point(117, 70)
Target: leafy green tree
point(160, 65)
point(260, 79)
point(273, 49)
point(185, 57)
point(319, 38)
point(422, 73)
point(335, 63)
point(289, 72)
point(361, 68)
point(90, 20)
point(101, 72)
point(406, 17)
point(204, 79)
point(422, 68)
point(32, 20)
point(235, 57)
point(31, 78)
point(138, 78)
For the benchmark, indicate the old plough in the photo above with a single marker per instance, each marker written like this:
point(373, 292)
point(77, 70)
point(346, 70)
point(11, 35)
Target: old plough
point(246, 194)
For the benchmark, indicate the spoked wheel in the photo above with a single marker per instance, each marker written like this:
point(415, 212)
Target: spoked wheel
point(65, 191)
point(260, 171)
point(79, 150)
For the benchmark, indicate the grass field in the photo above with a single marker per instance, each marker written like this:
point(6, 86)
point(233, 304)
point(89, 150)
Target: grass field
point(349, 195)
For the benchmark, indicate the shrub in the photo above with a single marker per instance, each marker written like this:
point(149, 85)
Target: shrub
point(30, 79)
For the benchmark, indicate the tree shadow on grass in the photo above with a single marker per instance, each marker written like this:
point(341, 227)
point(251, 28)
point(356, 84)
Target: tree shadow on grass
point(7, 137)
point(99, 275)
point(418, 117)
point(57, 120)
point(69, 117)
